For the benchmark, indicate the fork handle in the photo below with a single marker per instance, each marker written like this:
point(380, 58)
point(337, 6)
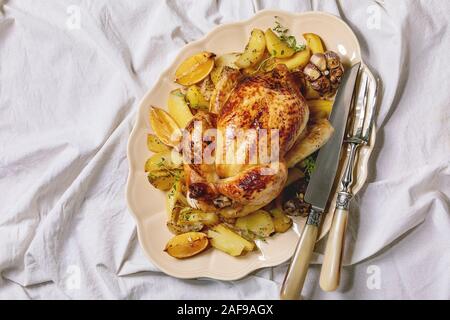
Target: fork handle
point(331, 267)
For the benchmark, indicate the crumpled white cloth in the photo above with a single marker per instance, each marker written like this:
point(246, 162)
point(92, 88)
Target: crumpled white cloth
point(68, 100)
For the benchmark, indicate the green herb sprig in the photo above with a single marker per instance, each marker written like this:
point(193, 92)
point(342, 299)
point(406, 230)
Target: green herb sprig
point(308, 165)
point(290, 40)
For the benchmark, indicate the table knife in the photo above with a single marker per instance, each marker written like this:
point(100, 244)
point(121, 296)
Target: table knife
point(319, 187)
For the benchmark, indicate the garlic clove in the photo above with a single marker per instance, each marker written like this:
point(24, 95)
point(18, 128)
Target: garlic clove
point(311, 72)
point(322, 85)
point(332, 59)
point(336, 75)
point(319, 60)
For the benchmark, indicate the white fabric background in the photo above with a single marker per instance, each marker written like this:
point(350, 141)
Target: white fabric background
point(68, 100)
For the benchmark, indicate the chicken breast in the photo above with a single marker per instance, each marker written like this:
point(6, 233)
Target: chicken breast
point(269, 106)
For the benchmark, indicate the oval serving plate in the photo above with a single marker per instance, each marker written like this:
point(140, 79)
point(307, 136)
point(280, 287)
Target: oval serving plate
point(147, 204)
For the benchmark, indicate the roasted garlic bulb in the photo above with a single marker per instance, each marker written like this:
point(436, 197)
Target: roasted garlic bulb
point(324, 72)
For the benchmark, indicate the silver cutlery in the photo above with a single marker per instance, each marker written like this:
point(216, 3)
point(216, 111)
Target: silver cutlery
point(319, 187)
point(364, 117)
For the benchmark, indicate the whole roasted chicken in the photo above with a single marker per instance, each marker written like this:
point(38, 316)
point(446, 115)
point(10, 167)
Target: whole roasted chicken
point(255, 116)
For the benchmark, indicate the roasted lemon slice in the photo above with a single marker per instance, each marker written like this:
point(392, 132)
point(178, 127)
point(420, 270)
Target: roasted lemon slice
point(165, 127)
point(195, 68)
point(187, 244)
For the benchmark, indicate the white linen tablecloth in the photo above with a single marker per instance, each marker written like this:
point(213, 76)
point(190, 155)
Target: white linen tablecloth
point(71, 75)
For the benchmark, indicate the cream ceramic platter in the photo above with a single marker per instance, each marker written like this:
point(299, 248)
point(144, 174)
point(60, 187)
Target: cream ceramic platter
point(147, 204)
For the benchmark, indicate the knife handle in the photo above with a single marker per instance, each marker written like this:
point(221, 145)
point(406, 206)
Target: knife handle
point(332, 261)
point(296, 274)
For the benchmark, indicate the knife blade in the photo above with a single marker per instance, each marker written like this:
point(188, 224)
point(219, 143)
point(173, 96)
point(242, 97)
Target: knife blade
point(319, 187)
point(327, 161)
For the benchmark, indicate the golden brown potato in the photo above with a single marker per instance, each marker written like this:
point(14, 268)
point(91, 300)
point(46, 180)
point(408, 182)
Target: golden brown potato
point(254, 51)
point(196, 99)
point(178, 108)
point(228, 241)
point(163, 160)
point(276, 47)
point(195, 68)
point(176, 228)
point(165, 127)
point(226, 60)
point(281, 221)
point(314, 42)
point(297, 61)
point(162, 179)
point(310, 93)
point(258, 223)
point(228, 80)
point(207, 88)
point(320, 107)
point(172, 197)
point(190, 216)
point(163, 169)
point(187, 245)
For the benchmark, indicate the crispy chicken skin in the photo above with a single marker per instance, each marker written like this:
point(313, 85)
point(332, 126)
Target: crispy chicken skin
point(265, 101)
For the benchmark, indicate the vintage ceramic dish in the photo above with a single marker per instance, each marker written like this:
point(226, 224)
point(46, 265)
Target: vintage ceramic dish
point(147, 204)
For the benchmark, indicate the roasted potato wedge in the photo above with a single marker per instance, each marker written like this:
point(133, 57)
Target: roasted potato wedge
point(178, 108)
point(276, 47)
point(310, 93)
point(266, 64)
point(319, 107)
point(163, 179)
point(172, 197)
point(227, 81)
point(228, 241)
point(226, 60)
point(196, 99)
point(154, 144)
point(176, 228)
point(187, 245)
point(297, 61)
point(166, 160)
point(207, 88)
point(190, 216)
point(254, 51)
point(165, 127)
point(314, 42)
point(215, 74)
point(281, 221)
point(195, 68)
point(258, 223)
